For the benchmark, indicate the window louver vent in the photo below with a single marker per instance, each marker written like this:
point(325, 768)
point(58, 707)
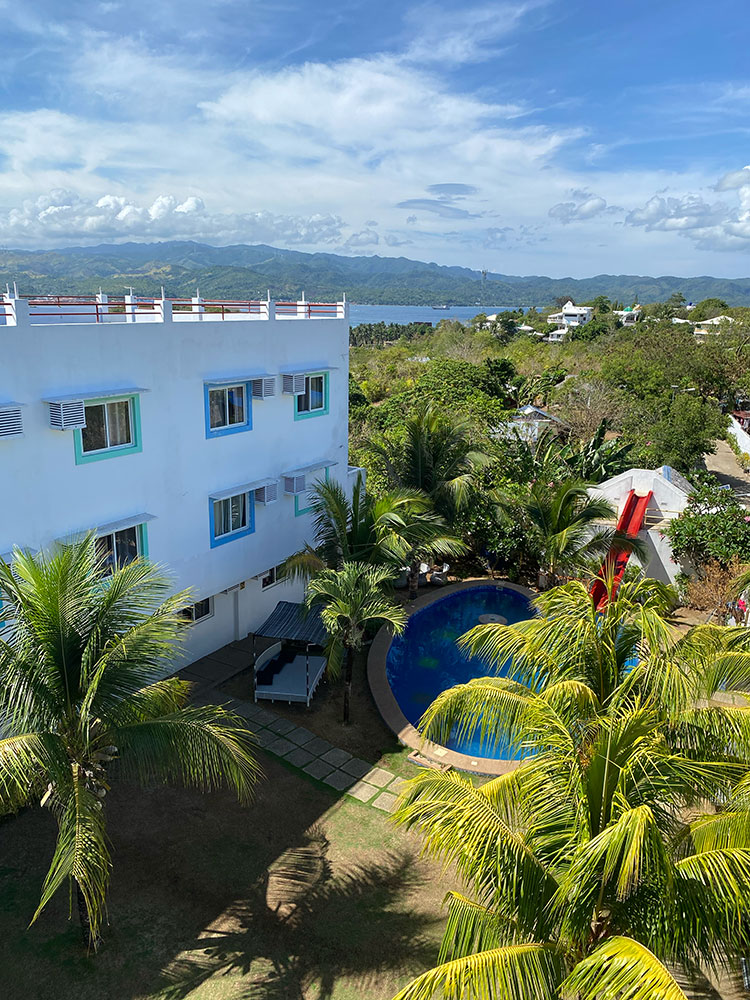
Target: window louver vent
point(294, 485)
point(293, 385)
point(11, 422)
point(264, 387)
point(267, 494)
point(68, 415)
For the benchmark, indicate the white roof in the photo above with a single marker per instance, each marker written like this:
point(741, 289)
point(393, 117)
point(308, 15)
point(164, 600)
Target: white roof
point(234, 491)
point(718, 319)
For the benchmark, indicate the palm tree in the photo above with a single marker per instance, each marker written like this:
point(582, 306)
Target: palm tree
point(397, 529)
point(438, 456)
point(562, 519)
point(82, 701)
point(351, 600)
point(628, 650)
point(593, 870)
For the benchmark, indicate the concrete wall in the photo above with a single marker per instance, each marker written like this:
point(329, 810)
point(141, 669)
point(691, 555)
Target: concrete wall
point(740, 435)
point(45, 496)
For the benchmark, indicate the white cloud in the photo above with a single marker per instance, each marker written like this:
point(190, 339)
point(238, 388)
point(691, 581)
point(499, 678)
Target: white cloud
point(586, 206)
point(64, 214)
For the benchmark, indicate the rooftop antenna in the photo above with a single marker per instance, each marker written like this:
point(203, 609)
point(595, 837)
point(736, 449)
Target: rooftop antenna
point(162, 291)
point(15, 290)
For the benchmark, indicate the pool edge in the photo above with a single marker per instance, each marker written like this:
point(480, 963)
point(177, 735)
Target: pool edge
point(390, 709)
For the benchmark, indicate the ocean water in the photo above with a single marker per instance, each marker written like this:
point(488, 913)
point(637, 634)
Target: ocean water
point(417, 314)
point(425, 660)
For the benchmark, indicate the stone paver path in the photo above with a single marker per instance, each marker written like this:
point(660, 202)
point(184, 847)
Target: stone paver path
point(315, 756)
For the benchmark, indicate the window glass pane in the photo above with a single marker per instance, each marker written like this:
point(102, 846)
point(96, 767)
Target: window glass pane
point(236, 404)
point(217, 408)
point(239, 508)
point(105, 549)
point(202, 609)
point(316, 392)
point(94, 434)
point(303, 401)
point(118, 423)
point(269, 579)
point(221, 509)
point(126, 545)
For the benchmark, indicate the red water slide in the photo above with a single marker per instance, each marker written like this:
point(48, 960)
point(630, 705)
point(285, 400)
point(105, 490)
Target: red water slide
point(629, 523)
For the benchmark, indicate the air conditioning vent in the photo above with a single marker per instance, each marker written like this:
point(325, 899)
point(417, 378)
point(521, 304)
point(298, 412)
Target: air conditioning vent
point(68, 415)
point(264, 387)
point(294, 485)
point(267, 494)
point(293, 385)
point(11, 422)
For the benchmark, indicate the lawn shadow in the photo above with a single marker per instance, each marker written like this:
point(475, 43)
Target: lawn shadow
point(304, 926)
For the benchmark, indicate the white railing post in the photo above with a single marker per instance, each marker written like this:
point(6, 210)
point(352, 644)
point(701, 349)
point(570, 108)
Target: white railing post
point(301, 307)
point(270, 309)
point(198, 306)
point(166, 308)
point(130, 308)
point(21, 315)
point(102, 309)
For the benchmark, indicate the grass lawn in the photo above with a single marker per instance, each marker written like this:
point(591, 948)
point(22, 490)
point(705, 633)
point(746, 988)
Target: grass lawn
point(303, 895)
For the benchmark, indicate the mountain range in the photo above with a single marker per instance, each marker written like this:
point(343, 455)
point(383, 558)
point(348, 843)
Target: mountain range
point(248, 272)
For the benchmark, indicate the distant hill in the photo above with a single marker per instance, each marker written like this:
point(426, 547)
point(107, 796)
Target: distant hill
point(248, 271)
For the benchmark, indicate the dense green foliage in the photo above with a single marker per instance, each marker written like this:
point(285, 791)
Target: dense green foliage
point(714, 526)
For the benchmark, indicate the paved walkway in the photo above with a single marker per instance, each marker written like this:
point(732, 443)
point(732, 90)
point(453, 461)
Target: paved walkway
point(294, 744)
point(724, 465)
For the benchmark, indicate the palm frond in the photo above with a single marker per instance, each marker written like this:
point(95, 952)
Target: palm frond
point(621, 968)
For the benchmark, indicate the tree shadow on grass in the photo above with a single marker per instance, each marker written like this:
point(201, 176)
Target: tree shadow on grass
point(303, 926)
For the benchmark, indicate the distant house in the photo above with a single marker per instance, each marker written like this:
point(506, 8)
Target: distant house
point(711, 327)
point(557, 336)
point(571, 315)
point(717, 321)
point(529, 423)
point(630, 316)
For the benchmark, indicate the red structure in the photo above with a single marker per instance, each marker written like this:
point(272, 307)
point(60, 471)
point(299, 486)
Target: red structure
point(630, 523)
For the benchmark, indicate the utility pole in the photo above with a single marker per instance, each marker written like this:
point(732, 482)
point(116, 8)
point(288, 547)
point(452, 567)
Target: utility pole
point(483, 301)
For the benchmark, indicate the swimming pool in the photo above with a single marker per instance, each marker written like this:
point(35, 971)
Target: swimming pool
point(425, 660)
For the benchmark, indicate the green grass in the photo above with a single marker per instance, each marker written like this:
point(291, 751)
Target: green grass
point(304, 895)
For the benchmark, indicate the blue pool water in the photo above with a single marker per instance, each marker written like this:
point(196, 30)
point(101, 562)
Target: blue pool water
point(425, 660)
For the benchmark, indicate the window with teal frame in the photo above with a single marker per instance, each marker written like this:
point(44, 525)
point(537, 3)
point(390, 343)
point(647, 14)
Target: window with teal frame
point(314, 400)
point(113, 429)
point(298, 510)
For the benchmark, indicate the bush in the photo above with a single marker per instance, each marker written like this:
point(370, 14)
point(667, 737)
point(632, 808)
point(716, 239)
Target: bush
point(713, 527)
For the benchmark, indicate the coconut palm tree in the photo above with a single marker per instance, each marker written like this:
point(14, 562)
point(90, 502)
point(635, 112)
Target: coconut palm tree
point(438, 456)
point(696, 679)
point(351, 601)
point(397, 529)
point(593, 870)
point(562, 519)
point(82, 702)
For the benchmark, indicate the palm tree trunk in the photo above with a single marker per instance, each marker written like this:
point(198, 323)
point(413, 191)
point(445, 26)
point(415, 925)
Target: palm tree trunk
point(348, 675)
point(83, 915)
point(413, 579)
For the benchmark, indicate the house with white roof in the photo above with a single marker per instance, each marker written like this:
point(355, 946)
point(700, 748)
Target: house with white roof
point(629, 316)
point(669, 497)
point(529, 423)
point(571, 315)
point(190, 431)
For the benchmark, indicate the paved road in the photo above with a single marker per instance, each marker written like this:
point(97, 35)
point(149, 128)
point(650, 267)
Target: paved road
point(727, 470)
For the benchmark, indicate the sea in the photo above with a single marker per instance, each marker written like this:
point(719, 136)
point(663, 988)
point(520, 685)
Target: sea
point(417, 314)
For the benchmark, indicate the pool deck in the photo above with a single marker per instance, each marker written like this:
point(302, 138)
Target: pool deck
point(390, 710)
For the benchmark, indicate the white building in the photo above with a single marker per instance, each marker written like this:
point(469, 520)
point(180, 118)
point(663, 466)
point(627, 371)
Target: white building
point(571, 315)
point(669, 497)
point(629, 316)
point(529, 423)
point(186, 431)
point(557, 336)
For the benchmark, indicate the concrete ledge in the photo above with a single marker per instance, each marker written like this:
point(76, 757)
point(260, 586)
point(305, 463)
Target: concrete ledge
point(390, 709)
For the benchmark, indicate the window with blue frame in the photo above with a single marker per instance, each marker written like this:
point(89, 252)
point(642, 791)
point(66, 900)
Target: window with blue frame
point(231, 517)
point(228, 408)
point(314, 400)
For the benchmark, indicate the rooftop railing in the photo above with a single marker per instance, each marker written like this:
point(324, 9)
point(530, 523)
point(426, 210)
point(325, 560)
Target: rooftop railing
point(50, 309)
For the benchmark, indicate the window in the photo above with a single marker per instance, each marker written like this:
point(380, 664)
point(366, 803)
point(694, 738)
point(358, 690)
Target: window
point(228, 408)
point(200, 610)
point(108, 425)
point(113, 427)
point(119, 548)
point(272, 577)
point(314, 400)
point(231, 517)
point(303, 505)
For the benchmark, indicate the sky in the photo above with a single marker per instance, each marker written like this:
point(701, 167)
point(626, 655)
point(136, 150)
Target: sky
point(557, 137)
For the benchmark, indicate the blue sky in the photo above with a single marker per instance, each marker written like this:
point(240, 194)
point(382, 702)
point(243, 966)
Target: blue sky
point(561, 137)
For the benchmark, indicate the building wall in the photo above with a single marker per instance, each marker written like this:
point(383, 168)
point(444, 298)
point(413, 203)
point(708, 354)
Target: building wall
point(46, 496)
